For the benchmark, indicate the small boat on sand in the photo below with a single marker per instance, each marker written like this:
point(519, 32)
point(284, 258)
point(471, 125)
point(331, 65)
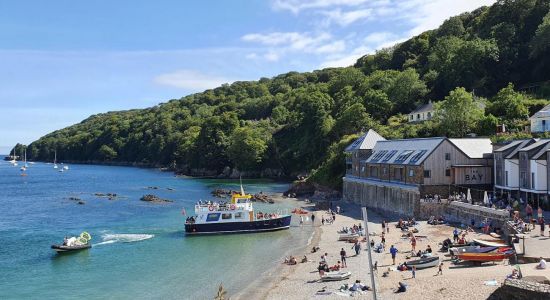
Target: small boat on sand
point(490, 243)
point(348, 237)
point(471, 249)
point(336, 276)
point(74, 243)
point(423, 263)
point(485, 257)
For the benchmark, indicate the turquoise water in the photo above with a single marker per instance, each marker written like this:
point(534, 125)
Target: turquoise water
point(140, 250)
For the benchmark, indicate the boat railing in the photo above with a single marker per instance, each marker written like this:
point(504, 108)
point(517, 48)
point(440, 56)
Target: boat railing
point(223, 207)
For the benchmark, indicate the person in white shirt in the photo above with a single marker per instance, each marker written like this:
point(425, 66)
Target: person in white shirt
point(542, 264)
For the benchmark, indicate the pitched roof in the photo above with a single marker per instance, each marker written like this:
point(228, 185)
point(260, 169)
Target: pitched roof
point(509, 146)
point(514, 150)
point(405, 151)
point(366, 141)
point(544, 112)
point(474, 147)
point(424, 108)
point(537, 149)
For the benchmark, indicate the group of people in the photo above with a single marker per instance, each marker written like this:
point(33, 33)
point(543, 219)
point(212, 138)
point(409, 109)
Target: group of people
point(404, 225)
point(433, 220)
point(324, 265)
point(432, 198)
point(266, 216)
point(352, 230)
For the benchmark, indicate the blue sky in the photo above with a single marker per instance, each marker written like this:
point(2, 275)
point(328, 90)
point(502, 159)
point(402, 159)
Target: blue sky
point(62, 61)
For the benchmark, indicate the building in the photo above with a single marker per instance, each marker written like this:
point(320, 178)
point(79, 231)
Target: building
point(359, 151)
point(506, 162)
point(422, 113)
point(540, 121)
point(399, 172)
point(533, 171)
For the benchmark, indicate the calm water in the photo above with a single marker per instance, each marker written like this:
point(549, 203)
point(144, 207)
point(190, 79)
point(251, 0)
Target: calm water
point(139, 251)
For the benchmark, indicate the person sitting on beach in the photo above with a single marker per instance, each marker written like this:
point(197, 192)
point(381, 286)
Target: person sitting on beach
point(315, 249)
point(514, 275)
point(357, 286)
point(429, 249)
point(541, 265)
point(304, 259)
point(462, 240)
point(402, 287)
point(336, 267)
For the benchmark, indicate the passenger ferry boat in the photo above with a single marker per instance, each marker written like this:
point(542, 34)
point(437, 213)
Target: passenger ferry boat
point(235, 216)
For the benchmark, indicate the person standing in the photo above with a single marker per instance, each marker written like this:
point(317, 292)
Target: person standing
point(338, 209)
point(539, 212)
point(440, 269)
point(313, 219)
point(383, 226)
point(414, 272)
point(387, 227)
point(455, 235)
point(393, 252)
point(301, 220)
point(383, 240)
point(541, 223)
point(529, 212)
point(357, 248)
point(322, 220)
point(343, 258)
point(413, 243)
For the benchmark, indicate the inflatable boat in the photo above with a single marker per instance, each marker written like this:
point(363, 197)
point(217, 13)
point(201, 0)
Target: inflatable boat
point(423, 263)
point(336, 276)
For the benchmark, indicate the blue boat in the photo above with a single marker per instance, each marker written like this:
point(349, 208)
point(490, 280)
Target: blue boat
point(235, 216)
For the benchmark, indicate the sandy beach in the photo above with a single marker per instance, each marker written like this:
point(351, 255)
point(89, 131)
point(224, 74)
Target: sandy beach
point(301, 281)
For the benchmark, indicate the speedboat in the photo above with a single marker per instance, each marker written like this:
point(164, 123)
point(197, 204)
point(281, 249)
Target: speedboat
point(237, 216)
point(74, 243)
point(485, 257)
point(471, 249)
point(423, 263)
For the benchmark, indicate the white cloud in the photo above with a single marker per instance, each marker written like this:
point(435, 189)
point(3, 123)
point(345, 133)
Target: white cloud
point(190, 80)
point(295, 6)
point(272, 56)
point(345, 18)
point(293, 40)
point(335, 47)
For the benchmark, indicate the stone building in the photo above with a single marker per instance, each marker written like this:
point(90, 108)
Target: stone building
point(359, 151)
point(399, 172)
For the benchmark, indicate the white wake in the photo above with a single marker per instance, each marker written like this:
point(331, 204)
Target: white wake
point(111, 238)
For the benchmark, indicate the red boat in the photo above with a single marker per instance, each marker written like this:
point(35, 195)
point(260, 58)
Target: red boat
point(499, 255)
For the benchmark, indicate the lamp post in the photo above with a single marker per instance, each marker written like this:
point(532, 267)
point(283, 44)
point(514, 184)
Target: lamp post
point(369, 252)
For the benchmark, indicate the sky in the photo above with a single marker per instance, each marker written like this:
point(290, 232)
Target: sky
point(62, 61)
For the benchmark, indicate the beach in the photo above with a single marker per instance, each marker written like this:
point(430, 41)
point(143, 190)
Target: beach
point(461, 281)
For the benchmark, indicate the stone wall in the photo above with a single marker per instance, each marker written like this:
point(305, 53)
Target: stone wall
point(464, 212)
point(398, 199)
point(516, 289)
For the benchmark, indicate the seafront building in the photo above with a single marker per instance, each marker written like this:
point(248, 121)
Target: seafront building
point(540, 121)
point(359, 151)
point(506, 162)
point(398, 173)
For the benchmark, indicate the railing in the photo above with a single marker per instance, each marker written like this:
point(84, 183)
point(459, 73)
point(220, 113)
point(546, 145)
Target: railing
point(223, 207)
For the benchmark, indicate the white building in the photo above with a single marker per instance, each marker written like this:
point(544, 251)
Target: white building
point(507, 166)
point(540, 121)
point(422, 113)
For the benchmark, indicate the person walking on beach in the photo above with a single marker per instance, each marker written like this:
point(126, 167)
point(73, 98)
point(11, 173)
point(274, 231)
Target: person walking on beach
point(440, 269)
point(413, 243)
point(383, 226)
point(343, 258)
point(323, 221)
point(539, 212)
point(301, 220)
point(312, 219)
point(541, 223)
point(338, 209)
point(455, 235)
point(383, 239)
point(393, 252)
point(357, 248)
point(414, 272)
point(387, 227)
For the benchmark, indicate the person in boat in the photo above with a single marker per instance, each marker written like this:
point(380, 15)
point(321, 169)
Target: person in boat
point(541, 265)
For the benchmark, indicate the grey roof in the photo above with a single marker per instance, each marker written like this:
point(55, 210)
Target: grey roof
point(366, 141)
point(518, 148)
point(424, 108)
point(417, 150)
point(474, 147)
point(544, 112)
point(537, 149)
point(509, 146)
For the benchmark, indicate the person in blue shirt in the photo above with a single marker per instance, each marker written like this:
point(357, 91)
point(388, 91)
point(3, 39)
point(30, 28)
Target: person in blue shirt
point(455, 235)
point(393, 252)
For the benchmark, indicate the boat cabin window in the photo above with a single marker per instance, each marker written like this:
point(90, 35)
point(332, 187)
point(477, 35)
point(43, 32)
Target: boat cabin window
point(238, 215)
point(226, 216)
point(241, 200)
point(213, 217)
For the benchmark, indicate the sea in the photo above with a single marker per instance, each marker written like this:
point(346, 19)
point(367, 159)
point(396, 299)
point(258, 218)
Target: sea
point(140, 250)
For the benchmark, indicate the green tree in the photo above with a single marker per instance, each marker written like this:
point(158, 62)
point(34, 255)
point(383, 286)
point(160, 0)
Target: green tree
point(248, 146)
point(458, 114)
point(107, 153)
point(508, 104)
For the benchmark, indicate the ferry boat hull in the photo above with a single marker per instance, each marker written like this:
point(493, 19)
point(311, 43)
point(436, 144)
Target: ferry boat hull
point(239, 227)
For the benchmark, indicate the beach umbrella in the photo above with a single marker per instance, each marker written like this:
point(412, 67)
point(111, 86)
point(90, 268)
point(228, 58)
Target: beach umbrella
point(485, 198)
point(469, 196)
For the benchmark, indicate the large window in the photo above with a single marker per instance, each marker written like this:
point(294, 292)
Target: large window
point(533, 180)
point(416, 157)
point(213, 217)
point(373, 172)
point(448, 172)
point(378, 155)
point(427, 174)
point(389, 155)
point(238, 215)
point(403, 156)
point(411, 172)
point(447, 156)
point(227, 216)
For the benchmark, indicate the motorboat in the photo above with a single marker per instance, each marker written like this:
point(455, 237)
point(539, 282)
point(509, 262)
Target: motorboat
point(336, 276)
point(471, 249)
point(485, 257)
point(74, 243)
point(237, 216)
point(423, 263)
point(490, 243)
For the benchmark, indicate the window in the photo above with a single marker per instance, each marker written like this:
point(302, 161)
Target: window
point(447, 156)
point(506, 177)
point(238, 215)
point(418, 116)
point(411, 172)
point(429, 115)
point(385, 171)
point(532, 180)
point(417, 156)
point(378, 155)
point(373, 172)
point(448, 172)
point(213, 217)
point(427, 174)
point(226, 216)
point(411, 117)
point(362, 169)
point(403, 156)
point(389, 155)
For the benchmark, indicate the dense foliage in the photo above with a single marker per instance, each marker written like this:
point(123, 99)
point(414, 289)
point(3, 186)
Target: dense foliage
point(298, 122)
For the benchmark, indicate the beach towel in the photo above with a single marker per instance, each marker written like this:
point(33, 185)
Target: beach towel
point(491, 282)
